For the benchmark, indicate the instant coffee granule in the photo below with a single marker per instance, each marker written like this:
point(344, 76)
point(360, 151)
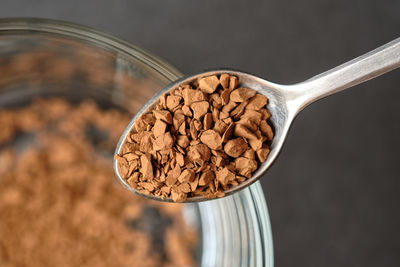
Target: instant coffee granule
point(60, 204)
point(199, 139)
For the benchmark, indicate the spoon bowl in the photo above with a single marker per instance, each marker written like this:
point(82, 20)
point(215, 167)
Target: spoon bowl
point(277, 105)
point(284, 101)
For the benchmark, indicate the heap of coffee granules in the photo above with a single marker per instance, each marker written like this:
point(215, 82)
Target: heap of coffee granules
point(199, 139)
point(60, 204)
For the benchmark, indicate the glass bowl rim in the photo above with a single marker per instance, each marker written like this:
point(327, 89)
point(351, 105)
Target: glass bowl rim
point(83, 32)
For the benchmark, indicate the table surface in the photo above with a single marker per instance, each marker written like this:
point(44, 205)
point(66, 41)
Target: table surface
point(333, 194)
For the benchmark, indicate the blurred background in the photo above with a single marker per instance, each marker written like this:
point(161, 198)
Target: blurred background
point(333, 194)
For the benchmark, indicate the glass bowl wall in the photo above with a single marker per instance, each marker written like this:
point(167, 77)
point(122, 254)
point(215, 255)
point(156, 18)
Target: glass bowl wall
point(51, 58)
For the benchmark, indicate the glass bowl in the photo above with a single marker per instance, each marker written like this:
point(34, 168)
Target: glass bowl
point(45, 58)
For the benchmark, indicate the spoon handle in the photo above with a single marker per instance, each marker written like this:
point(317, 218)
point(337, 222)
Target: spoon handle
point(363, 68)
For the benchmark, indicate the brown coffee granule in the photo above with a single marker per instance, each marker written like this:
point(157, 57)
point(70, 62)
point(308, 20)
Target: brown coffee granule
point(200, 139)
point(60, 204)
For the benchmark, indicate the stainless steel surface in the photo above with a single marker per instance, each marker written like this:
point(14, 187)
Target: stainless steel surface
point(286, 101)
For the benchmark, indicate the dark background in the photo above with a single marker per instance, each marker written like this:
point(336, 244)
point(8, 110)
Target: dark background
point(333, 193)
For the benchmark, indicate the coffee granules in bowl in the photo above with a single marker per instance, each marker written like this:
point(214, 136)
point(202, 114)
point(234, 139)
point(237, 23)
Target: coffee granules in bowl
point(59, 203)
point(199, 139)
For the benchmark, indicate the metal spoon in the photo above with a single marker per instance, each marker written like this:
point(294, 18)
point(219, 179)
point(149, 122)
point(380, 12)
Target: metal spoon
point(286, 101)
